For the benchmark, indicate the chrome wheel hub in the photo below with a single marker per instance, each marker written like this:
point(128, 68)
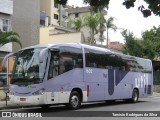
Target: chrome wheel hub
point(74, 101)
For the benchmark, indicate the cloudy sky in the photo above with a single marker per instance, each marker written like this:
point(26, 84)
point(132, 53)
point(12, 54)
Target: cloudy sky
point(130, 19)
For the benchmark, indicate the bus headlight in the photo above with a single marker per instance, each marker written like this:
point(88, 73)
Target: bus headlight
point(39, 92)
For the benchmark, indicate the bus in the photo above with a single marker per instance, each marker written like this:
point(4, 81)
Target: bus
point(72, 73)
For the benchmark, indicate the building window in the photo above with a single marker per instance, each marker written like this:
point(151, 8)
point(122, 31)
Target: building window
point(55, 5)
point(56, 16)
point(4, 25)
point(77, 15)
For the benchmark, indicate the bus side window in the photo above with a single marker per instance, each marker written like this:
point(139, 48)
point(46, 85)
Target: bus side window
point(54, 66)
point(70, 58)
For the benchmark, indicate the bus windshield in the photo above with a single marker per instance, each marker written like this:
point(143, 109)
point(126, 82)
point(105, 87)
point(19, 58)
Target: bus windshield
point(27, 67)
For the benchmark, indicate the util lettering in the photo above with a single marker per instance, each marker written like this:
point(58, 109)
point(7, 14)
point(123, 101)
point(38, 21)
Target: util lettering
point(141, 81)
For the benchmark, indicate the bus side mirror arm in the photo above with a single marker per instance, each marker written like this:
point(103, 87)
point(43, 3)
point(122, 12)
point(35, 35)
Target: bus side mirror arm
point(41, 54)
point(5, 59)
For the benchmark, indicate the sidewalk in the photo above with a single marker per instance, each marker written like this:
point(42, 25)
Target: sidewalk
point(11, 106)
point(155, 94)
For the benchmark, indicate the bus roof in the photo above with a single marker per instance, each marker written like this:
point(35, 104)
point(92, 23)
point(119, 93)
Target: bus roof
point(79, 45)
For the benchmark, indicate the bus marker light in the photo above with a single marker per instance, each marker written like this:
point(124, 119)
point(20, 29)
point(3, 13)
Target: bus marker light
point(87, 90)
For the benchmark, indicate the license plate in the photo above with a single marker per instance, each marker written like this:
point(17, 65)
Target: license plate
point(22, 99)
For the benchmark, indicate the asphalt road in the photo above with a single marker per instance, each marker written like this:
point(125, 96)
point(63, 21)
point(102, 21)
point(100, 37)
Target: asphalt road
point(100, 110)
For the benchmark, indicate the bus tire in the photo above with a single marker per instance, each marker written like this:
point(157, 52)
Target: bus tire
point(135, 96)
point(74, 101)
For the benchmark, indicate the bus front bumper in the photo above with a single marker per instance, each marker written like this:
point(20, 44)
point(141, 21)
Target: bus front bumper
point(28, 100)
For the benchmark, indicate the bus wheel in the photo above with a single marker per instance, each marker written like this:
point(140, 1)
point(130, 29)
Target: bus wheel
point(74, 101)
point(135, 96)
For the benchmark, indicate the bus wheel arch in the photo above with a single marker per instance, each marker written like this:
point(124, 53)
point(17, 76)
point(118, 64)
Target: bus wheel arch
point(75, 99)
point(135, 95)
point(79, 91)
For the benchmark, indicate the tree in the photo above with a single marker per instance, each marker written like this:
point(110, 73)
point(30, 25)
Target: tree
point(132, 46)
point(152, 37)
point(7, 37)
point(76, 24)
point(102, 21)
point(92, 22)
point(110, 25)
point(143, 47)
point(97, 5)
point(153, 5)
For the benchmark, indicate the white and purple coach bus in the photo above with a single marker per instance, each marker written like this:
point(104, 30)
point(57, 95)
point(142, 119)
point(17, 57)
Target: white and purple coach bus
point(70, 74)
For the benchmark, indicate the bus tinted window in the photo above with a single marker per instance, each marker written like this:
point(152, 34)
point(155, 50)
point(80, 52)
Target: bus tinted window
point(70, 58)
point(98, 59)
point(66, 59)
point(137, 64)
point(95, 59)
point(148, 67)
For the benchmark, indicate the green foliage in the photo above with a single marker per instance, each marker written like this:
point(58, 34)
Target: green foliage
point(6, 37)
point(102, 27)
point(153, 35)
point(147, 47)
point(95, 22)
point(110, 25)
point(132, 45)
point(97, 5)
point(129, 3)
point(154, 6)
point(92, 22)
point(62, 2)
point(76, 24)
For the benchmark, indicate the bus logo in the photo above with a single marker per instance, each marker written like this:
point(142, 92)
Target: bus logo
point(141, 81)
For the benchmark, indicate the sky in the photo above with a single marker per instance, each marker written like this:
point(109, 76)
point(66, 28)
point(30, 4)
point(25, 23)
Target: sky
point(130, 19)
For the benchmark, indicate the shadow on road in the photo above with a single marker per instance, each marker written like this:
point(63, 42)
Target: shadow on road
point(62, 108)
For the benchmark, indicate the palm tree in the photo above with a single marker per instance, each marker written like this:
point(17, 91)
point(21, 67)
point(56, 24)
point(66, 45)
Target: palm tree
point(92, 21)
point(110, 25)
point(76, 24)
point(101, 27)
point(6, 37)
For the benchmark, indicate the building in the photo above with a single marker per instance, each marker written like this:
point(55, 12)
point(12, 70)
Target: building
point(115, 45)
point(26, 22)
point(79, 12)
point(48, 36)
point(52, 13)
point(29, 16)
point(6, 11)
